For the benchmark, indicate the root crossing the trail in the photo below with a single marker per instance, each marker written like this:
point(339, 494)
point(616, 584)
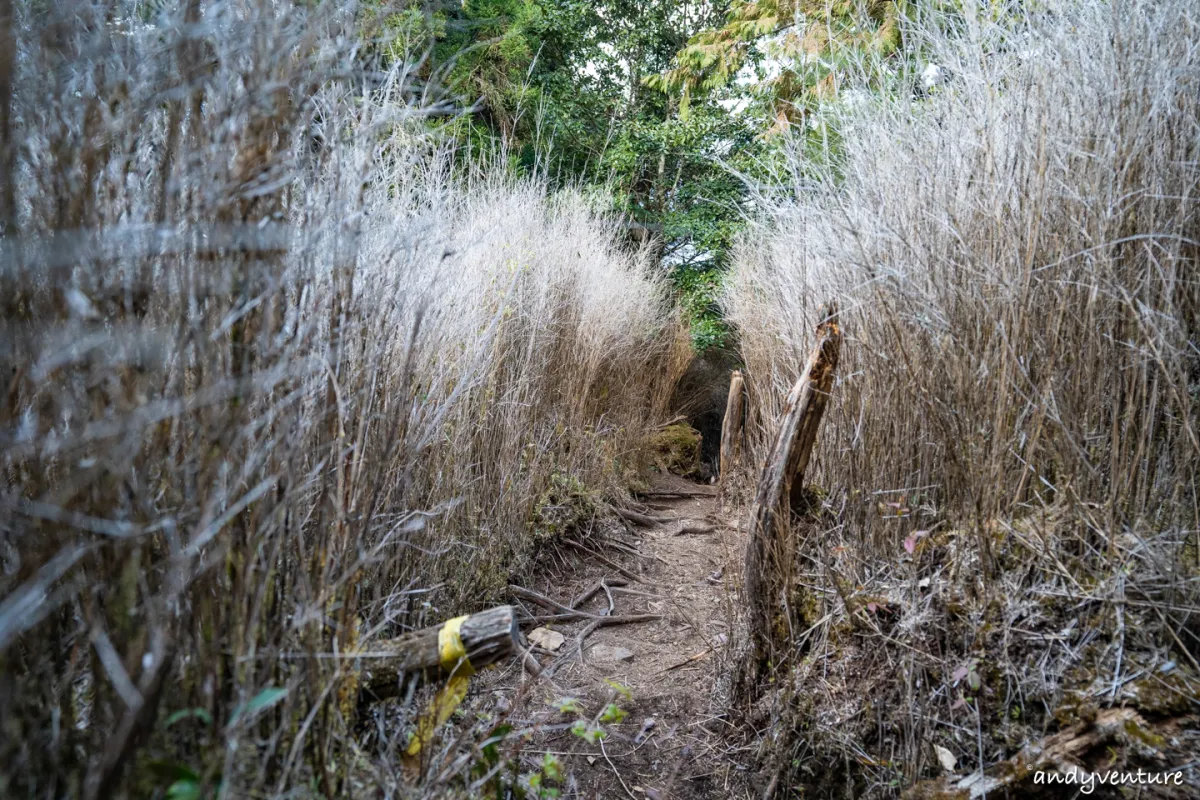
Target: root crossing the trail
point(625, 694)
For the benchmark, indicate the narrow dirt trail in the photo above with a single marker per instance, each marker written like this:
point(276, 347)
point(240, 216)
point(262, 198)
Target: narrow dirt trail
point(662, 674)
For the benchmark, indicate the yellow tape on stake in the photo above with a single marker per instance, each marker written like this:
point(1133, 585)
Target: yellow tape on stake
point(453, 656)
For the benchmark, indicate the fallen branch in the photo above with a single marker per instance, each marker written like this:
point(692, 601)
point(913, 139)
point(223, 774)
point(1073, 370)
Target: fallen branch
point(645, 520)
point(612, 606)
point(699, 530)
point(542, 619)
point(621, 547)
point(583, 634)
point(616, 771)
point(590, 593)
point(531, 664)
point(487, 637)
point(676, 494)
point(636, 593)
point(606, 561)
point(688, 660)
point(542, 600)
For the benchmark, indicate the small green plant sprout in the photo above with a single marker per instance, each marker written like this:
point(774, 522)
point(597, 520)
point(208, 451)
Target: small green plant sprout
point(488, 768)
point(184, 789)
point(491, 745)
point(612, 714)
point(185, 783)
point(568, 705)
point(551, 767)
point(620, 689)
point(537, 784)
point(589, 733)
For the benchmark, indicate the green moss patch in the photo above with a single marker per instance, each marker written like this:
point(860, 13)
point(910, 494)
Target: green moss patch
point(676, 449)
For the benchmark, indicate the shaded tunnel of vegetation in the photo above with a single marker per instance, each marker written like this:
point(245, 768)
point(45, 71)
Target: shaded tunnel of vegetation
point(328, 324)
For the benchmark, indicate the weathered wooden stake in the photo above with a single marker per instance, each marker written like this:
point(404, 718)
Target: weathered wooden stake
point(731, 428)
point(488, 637)
point(769, 557)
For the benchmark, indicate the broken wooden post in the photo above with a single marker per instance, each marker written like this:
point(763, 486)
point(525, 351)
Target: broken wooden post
point(731, 428)
point(769, 556)
point(487, 637)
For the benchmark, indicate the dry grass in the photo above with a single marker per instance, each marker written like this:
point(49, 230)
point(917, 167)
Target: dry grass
point(1016, 257)
point(271, 385)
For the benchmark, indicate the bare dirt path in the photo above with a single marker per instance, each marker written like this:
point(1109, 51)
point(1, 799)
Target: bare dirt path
point(661, 674)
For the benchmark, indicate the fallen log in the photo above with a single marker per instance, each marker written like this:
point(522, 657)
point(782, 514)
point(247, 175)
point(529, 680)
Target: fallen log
point(487, 637)
point(675, 494)
point(731, 427)
point(769, 556)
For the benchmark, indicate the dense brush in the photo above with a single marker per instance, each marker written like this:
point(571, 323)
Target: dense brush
point(271, 384)
point(1015, 254)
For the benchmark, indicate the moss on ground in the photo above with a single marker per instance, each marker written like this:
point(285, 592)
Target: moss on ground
point(676, 449)
point(565, 505)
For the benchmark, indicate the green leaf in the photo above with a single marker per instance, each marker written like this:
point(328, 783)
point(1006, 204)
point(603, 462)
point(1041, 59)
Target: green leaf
point(551, 767)
point(612, 714)
point(490, 749)
point(621, 689)
point(169, 771)
point(184, 789)
point(587, 732)
point(198, 713)
point(568, 705)
point(263, 700)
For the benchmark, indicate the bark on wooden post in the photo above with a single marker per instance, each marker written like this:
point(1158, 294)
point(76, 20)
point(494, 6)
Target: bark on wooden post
point(731, 429)
point(769, 556)
point(488, 637)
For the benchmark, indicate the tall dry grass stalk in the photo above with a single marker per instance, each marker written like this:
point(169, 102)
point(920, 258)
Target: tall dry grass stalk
point(271, 384)
point(1016, 260)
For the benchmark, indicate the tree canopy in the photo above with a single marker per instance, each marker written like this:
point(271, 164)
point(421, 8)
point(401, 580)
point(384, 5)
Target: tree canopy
point(661, 107)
